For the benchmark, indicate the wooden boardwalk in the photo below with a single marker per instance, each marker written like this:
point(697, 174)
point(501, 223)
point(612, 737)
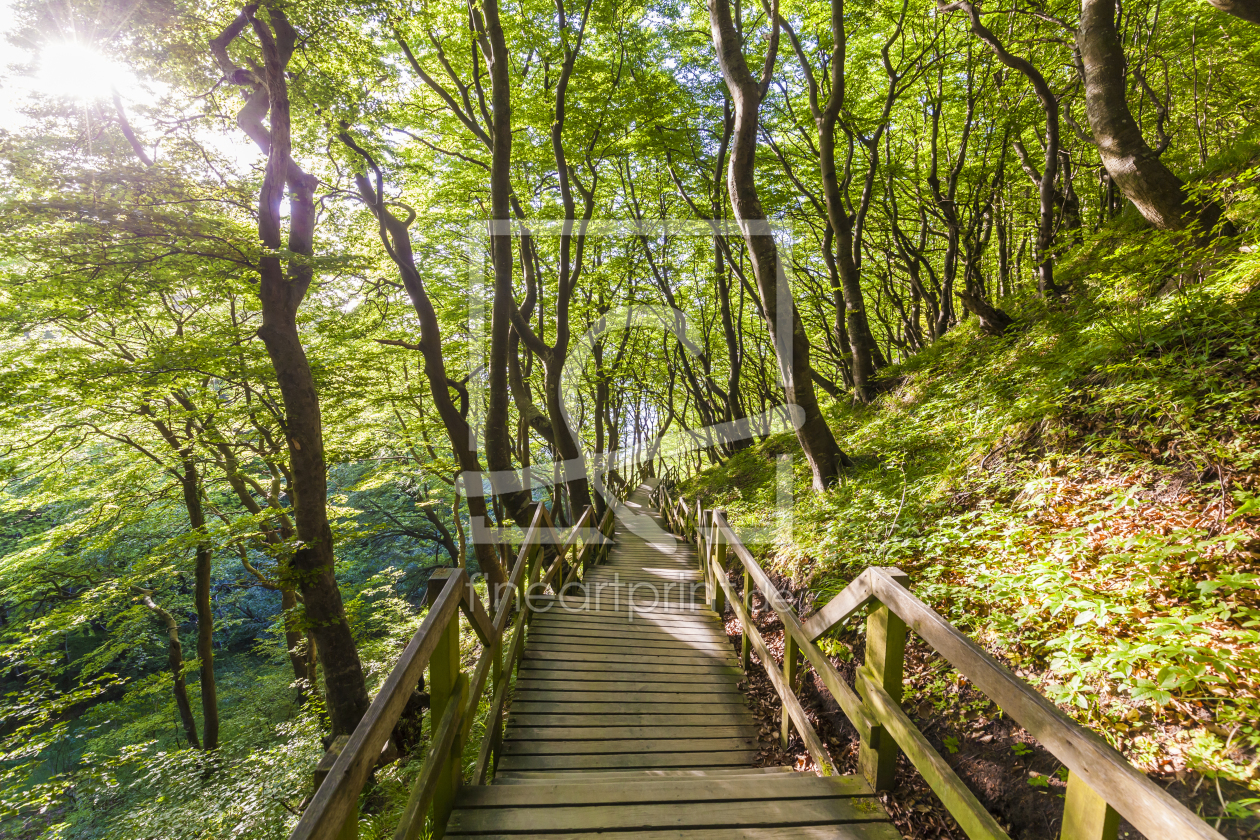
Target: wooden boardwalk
point(627, 720)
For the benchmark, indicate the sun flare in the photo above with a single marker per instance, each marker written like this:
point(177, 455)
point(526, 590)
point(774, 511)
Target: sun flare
point(78, 71)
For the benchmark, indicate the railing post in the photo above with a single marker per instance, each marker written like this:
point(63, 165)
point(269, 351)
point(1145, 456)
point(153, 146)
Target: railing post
point(885, 654)
point(350, 829)
point(791, 658)
point(1086, 815)
point(719, 565)
point(444, 679)
point(745, 647)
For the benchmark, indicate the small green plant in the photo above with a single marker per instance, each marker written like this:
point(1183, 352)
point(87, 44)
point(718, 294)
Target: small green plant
point(951, 744)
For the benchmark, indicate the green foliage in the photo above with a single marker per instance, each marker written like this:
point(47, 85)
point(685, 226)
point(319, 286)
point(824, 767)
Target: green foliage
point(1059, 495)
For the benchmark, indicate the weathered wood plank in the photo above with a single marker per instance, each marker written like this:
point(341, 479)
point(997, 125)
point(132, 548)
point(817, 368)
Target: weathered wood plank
point(627, 630)
point(674, 774)
point(851, 599)
point(685, 696)
point(698, 617)
point(735, 758)
point(850, 831)
point(664, 718)
point(626, 685)
point(746, 787)
point(662, 731)
point(628, 747)
point(653, 704)
point(660, 649)
point(591, 656)
point(767, 813)
point(543, 669)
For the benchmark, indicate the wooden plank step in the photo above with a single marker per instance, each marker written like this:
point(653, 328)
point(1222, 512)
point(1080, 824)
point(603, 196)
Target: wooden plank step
point(618, 681)
point(631, 672)
point(713, 786)
point(526, 721)
point(622, 632)
point(681, 651)
point(666, 704)
point(628, 747)
point(629, 644)
point(697, 617)
point(848, 831)
point(704, 626)
point(624, 684)
point(629, 733)
point(728, 697)
point(582, 622)
point(671, 669)
point(549, 777)
point(633, 761)
point(677, 816)
point(545, 655)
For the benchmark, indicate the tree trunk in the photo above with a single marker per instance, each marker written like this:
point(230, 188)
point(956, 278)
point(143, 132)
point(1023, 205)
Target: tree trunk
point(1046, 183)
point(281, 293)
point(791, 346)
point(498, 434)
point(992, 320)
point(190, 488)
point(175, 661)
point(205, 613)
point(1135, 167)
point(865, 356)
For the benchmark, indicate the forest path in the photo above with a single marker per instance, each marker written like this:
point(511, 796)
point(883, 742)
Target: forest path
point(627, 718)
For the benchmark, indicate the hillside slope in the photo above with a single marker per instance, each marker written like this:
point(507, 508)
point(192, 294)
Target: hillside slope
point(1080, 496)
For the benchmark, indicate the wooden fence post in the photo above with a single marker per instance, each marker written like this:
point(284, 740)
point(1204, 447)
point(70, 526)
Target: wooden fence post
point(885, 654)
point(791, 659)
point(719, 566)
point(1086, 815)
point(444, 679)
point(745, 647)
point(350, 830)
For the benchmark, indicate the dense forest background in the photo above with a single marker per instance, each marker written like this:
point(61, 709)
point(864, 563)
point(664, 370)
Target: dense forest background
point(261, 343)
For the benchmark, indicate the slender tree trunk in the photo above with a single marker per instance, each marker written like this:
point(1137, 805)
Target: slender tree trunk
point(202, 564)
point(865, 355)
point(396, 239)
point(1135, 167)
point(498, 433)
point(1049, 172)
point(175, 661)
point(791, 345)
point(190, 487)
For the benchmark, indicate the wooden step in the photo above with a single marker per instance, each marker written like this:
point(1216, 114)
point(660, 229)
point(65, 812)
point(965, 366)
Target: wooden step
point(713, 804)
point(603, 776)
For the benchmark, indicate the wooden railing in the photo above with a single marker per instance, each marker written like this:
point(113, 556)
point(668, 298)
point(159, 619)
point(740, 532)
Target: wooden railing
point(332, 813)
point(1102, 786)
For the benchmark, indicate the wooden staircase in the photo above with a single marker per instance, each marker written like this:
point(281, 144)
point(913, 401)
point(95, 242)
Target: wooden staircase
point(627, 718)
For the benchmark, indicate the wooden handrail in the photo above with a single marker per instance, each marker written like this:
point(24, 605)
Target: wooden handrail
point(333, 802)
point(333, 809)
point(1101, 783)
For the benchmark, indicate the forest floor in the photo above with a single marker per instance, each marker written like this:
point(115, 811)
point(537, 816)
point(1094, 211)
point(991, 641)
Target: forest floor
point(1081, 498)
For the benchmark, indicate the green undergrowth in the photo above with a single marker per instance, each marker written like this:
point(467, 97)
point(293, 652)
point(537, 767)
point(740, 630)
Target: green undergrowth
point(121, 768)
point(1079, 496)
